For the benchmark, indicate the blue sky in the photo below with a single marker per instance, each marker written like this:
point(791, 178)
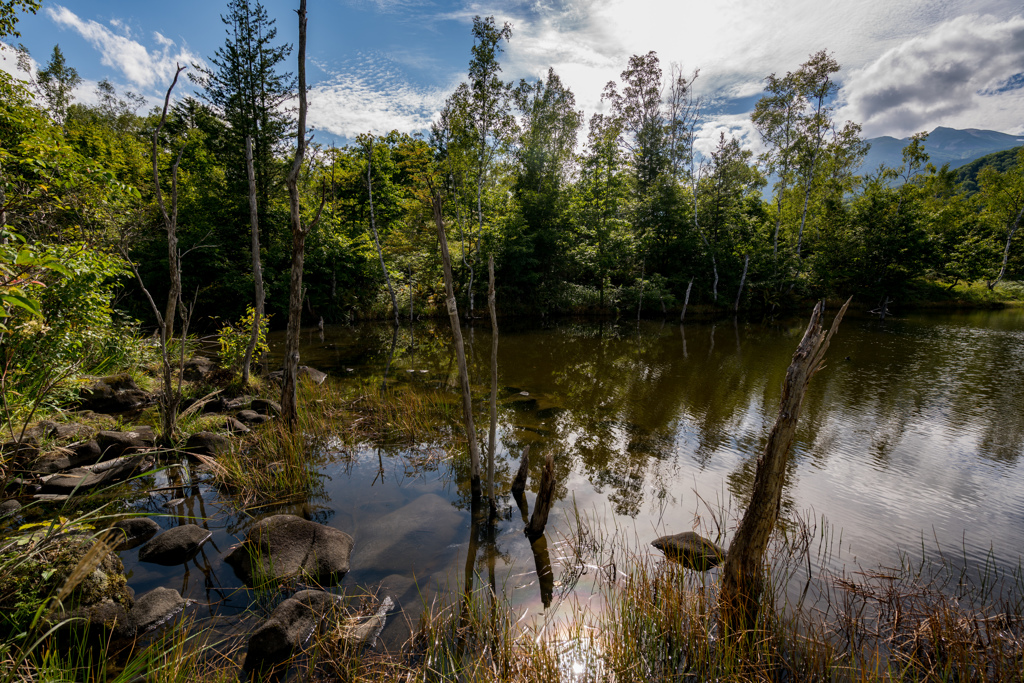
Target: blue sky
point(908, 65)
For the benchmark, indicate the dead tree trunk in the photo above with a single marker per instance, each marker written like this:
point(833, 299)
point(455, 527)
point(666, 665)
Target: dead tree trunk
point(170, 219)
point(519, 483)
point(686, 301)
point(373, 227)
point(289, 383)
point(742, 581)
point(460, 354)
point(493, 431)
point(545, 495)
point(257, 270)
point(743, 281)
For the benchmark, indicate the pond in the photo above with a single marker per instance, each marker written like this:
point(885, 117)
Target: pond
point(910, 441)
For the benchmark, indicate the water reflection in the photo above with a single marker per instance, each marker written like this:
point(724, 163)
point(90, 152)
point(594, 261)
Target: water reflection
point(912, 419)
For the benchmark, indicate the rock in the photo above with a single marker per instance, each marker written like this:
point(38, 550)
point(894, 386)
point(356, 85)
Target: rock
point(265, 406)
point(66, 431)
point(26, 451)
point(9, 507)
point(115, 394)
point(155, 608)
point(312, 374)
point(413, 538)
point(691, 550)
point(196, 368)
point(51, 462)
point(116, 444)
point(85, 453)
point(101, 596)
point(284, 546)
point(251, 417)
point(175, 546)
point(208, 443)
point(235, 427)
point(240, 403)
point(288, 628)
point(359, 631)
point(82, 479)
point(134, 532)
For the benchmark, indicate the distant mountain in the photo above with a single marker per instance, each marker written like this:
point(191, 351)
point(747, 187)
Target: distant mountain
point(1001, 161)
point(944, 145)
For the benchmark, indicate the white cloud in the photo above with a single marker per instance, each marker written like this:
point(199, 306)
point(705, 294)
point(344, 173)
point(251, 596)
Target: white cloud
point(372, 97)
point(963, 73)
point(144, 68)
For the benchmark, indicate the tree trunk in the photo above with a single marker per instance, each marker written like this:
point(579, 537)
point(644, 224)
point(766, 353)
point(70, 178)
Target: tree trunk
point(493, 431)
point(1006, 251)
point(686, 301)
point(519, 483)
point(742, 581)
point(376, 239)
point(460, 354)
point(289, 383)
point(743, 280)
point(545, 495)
point(170, 219)
point(257, 270)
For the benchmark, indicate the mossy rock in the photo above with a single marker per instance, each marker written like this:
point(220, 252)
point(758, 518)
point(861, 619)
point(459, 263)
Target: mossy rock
point(35, 565)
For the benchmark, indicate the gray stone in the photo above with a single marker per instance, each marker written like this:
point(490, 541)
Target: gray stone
point(690, 550)
point(156, 607)
point(115, 394)
point(51, 462)
point(239, 403)
point(9, 507)
point(208, 443)
point(115, 444)
point(288, 628)
point(85, 452)
point(235, 427)
point(265, 406)
point(175, 546)
point(134, 532)
point(284, 546)
point(305, 372)
point(251, 417)
point(197, 368)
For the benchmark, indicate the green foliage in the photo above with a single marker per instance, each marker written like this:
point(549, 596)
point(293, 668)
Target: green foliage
point(234, 340)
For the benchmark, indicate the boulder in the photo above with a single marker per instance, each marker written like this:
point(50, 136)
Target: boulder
point(82, 479)
point(115, 444)
point(115, 394)
point(100, 597)
point(251, 417)
point(239, 403)
point(208, 443)
point(52, 462)
point(312, 374)
point(266, 406)
point(85, 453)
point(175, 546)
point(156, 607)
point(25, 451)
point(288, 628)
point(691, 550)
point(284, 546)
point(9, 507)
point(134, 532)
point(235, 427)
point(66, 431)
point(196, 368)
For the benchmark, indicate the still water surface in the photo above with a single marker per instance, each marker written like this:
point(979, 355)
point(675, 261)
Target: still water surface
point(910, 440)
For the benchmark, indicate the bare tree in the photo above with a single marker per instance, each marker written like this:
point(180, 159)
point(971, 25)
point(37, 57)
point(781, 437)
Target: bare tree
point(460, 353)
point(492, 432)
point(170, 219)
point(257, 270)
point(743, 575)
point(289, 383)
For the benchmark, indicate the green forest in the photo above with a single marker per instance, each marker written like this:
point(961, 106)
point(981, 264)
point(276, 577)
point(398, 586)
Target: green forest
point(618, 214)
